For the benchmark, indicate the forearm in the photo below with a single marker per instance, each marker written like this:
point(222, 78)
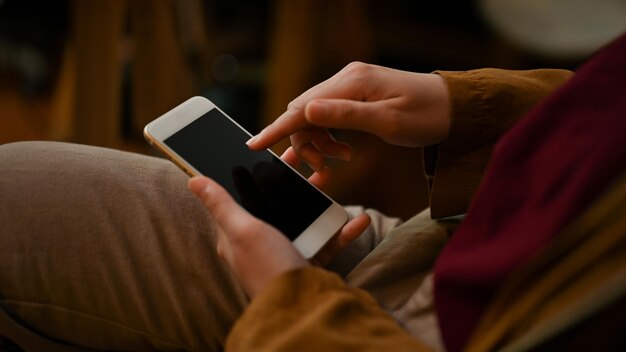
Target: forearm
point(485, 103)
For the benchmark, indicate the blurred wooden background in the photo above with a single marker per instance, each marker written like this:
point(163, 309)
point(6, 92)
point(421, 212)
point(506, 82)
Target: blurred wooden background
point(106, 68)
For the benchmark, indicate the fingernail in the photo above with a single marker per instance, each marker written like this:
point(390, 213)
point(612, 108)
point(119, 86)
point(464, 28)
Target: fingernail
point(195, 185)
point(251, 140)
point(207, 190)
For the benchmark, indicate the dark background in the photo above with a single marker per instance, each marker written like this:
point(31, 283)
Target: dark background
point(96, 72)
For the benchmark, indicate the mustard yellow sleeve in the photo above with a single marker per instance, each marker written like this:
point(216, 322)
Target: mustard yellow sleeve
point(311, 309)
point(485, 104)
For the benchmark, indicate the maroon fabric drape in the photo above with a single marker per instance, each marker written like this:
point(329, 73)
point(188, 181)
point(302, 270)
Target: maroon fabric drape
point(544, 172)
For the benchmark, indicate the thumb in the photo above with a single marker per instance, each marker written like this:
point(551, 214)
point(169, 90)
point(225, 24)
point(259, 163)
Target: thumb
point(345, 114)
point(227, 213)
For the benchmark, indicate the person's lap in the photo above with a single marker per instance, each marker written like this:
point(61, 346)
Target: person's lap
point(108, 250)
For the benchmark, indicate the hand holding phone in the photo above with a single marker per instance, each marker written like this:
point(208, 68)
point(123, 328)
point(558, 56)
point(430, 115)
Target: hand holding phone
point(203, 140)
point(255, 251)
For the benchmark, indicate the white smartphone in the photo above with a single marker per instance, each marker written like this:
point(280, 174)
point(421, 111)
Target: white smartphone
point(202, 140)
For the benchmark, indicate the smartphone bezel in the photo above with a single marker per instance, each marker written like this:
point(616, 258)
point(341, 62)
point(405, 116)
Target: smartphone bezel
point(311, 240)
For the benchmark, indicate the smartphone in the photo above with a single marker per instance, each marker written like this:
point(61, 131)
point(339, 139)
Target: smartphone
point(202, 140)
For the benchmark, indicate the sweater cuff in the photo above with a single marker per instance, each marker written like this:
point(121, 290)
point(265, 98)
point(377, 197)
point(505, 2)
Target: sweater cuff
point(485, 103)
point(310, 309)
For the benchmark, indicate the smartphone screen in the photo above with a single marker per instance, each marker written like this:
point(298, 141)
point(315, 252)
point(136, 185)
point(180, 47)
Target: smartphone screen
point(257, 180)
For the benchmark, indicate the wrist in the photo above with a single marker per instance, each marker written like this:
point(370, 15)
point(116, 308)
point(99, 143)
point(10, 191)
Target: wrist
point(441, 108)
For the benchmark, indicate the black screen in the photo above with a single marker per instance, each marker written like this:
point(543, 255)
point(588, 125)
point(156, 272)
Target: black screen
point(257, 180)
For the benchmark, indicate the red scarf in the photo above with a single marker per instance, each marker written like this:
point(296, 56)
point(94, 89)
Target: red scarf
point(543, 174)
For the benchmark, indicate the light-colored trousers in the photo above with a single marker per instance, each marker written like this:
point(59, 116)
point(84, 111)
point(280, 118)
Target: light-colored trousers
point(108, 250)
